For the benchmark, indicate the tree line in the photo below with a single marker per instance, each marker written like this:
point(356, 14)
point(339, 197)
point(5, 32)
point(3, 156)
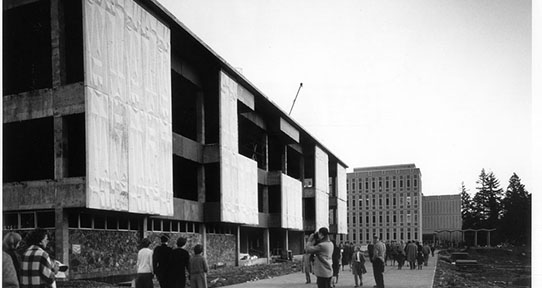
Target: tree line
point(509, 211)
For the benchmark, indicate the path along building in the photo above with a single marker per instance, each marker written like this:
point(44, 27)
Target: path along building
point(119, 123)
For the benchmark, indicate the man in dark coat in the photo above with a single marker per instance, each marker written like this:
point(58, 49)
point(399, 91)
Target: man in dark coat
point(161, 262)
point(180, 264)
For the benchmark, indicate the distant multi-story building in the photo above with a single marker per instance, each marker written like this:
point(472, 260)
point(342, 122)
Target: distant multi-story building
point(442, 218)
point(386, 201)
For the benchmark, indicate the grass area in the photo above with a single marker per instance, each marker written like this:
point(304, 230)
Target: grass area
point(499, 267)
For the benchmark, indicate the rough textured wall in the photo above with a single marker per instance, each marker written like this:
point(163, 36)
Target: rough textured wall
point(103, 252)
point(221, 249)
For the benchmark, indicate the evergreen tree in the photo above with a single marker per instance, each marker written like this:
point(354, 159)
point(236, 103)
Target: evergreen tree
point(516, 219)
point(487, 201)
point(467, 208)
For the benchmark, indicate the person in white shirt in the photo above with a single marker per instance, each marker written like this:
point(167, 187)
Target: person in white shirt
point(144, 266)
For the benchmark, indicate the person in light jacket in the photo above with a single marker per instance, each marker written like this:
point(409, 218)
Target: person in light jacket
point(319, 245)
point(144, 265)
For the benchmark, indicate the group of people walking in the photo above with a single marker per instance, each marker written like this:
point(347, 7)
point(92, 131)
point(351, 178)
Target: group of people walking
point(323, 258)
point(413, 252)
point(34, 268)
point(170, 265)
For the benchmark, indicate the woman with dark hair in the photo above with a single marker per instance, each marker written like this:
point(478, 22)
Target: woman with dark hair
point(319, 245)
point(198, 269)
point(144, 265)
point(37, 269)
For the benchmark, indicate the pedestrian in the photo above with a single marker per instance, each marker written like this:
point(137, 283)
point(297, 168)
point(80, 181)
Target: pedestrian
point(37, 269)
point(344, 255)
point(144, 265)
point(180, 261)
point(11, 263)
point(336, 263)
point(319, 245)
point(400, 254)
point(307, 267)
point(432, 249)
point(419, 255)
point(379, 257)
point(411, 252)
point(370, 250)
point(161, 262)
point(358, 266)
point(198, 269)
point(426, 251)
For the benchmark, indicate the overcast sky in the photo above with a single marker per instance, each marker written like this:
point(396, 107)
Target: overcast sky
point(443, 84)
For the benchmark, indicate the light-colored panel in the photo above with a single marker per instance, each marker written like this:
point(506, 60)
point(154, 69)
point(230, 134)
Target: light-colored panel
point(238, 174)
point(289, 130)
point(342, 217)
point(246, 97)
point(292, 205)
point(321, 184)
point(342, 225)
point(128, 105)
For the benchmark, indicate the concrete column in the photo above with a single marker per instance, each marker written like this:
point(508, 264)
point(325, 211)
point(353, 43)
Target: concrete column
point(488, 238)
point(286, 240)
point(144, 227)
point(200, 118)
point(475, 238)
point(238, 244)
point(203, 231)
point(57, 44)
point(60, 141)
point(266, 244)
point(285, 160)
point(62, 243)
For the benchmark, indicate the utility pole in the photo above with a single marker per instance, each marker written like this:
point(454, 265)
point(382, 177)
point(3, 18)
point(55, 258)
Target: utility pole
point(300, 85)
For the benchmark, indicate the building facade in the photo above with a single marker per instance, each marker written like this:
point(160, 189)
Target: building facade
point(442, 218)
point(386, 201)
point(119, 123)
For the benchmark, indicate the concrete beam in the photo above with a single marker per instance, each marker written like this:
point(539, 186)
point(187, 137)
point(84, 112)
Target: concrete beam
point(187, 148)
point(64, 100)
point(44, 194)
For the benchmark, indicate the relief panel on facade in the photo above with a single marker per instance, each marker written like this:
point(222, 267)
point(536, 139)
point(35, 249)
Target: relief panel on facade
point(238, 174)
point(321, 184)
point(128, 108)
point(292, 205)
point(342, 224)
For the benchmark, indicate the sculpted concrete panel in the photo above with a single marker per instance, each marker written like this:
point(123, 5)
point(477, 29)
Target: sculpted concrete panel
point(128, 108)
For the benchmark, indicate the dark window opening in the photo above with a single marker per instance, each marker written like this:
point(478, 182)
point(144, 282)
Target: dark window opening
point(260, 198)
point(134, 224)
point(184, 106)
point(210, 100)
point(73, 220)
point(310, 209)
point(293, 161)
point(276, 154)
point(251, 140)
point(212, 182)
point(275, 203)
point(27, 48)
point(185, 178)
point(46, 219)
point(111, 223)
point(99, 222)
point(73, 28)
point(85, 220)
point(309, 167)
point(75, 148)
point(28, 220)
point(28, 150)
point(123, 223)
point(11, 221)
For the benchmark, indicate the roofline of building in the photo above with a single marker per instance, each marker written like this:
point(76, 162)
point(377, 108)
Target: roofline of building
point(386, 167)
point(239, 77)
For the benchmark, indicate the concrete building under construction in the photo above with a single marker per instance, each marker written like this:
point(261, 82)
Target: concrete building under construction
point(119, 123)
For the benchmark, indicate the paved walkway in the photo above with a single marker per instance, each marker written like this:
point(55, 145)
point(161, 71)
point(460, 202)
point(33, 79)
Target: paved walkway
point(404, 278)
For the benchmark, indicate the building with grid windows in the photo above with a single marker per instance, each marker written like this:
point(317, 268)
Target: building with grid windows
point(442, 218)
point(119, 123)
point(384, 200)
